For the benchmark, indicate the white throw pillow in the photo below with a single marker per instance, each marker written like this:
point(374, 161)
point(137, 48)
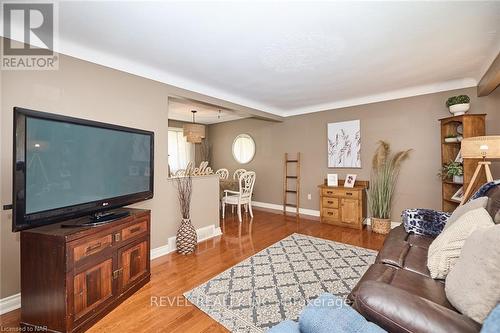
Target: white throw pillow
point(473, 284)
point(461, 210)
point(446, 248)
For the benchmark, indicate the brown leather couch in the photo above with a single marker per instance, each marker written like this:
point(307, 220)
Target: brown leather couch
point(397, 292)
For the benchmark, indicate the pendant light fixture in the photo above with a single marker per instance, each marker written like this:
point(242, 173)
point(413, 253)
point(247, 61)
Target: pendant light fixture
point(194, 132)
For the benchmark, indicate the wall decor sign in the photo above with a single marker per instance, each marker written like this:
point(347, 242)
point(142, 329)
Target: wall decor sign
point(202, 170)
point(344, 144)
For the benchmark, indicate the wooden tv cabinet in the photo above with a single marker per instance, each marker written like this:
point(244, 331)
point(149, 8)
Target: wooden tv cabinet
point(72, 277)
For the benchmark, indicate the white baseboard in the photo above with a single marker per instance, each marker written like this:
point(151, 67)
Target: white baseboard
point(10, 303)
point(304, 211)
point(13, 302)
point(202, 233)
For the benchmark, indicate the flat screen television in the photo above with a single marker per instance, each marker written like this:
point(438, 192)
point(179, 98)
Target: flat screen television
point(66, 167)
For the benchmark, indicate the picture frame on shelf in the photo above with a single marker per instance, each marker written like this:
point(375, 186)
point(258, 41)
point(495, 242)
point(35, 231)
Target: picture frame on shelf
point(332, 179)
point(459, 157)
point(350, 180)
point(458, 195)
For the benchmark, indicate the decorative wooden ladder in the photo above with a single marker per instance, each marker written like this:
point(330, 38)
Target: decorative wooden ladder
point(286, 178)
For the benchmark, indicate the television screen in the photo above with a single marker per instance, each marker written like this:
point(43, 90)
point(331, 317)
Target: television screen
point(71, 167)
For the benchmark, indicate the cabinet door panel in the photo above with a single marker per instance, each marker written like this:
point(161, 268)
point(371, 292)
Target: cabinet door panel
point(134, 261)
point(349, 211)
point(92, 287)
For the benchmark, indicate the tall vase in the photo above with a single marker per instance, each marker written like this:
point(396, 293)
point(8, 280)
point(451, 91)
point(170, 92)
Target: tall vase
point(186, 237)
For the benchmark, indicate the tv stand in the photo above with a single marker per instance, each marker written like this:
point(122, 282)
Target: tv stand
point(72, 277)
point(96, 219)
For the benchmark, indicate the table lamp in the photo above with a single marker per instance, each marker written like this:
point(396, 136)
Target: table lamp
point(484, 147)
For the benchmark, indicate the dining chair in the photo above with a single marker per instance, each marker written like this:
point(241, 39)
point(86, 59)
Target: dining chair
point(222, 173)
point(243, 196)
point(238, 173)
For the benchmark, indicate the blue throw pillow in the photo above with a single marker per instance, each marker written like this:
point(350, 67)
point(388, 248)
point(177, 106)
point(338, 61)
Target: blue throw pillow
point(287, 326)
point(330, 314)
point(492, 323)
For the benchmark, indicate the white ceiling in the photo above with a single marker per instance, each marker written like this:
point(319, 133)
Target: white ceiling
point(205, 114)
point(290, 57)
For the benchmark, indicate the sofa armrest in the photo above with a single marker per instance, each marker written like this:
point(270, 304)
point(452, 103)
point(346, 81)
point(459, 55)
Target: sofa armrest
point(397, 310)
point(425, 222)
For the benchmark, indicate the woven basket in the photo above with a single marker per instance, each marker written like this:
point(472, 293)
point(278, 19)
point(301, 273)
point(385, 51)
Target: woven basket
point(187, 239)
point(381, 226)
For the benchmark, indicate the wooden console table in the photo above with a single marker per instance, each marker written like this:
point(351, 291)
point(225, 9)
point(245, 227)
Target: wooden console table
point(72, 277)
point(343, 206)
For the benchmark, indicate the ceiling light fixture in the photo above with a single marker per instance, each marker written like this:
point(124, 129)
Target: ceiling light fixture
point(194, 132)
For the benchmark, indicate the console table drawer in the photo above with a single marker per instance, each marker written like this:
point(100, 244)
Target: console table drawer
point(340, 192)
point(134, 230)
point(326, 192)
point(332, 214)
point(330, 202)
point(92, 247)
point(349, 193)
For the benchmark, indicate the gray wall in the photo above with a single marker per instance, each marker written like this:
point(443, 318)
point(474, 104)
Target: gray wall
point(405, 123)
point(85, 90)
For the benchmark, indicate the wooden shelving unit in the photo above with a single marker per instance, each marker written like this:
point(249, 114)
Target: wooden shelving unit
point(473, 125)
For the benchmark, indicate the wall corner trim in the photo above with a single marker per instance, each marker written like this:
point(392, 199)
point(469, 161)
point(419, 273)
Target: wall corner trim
point(13, 302)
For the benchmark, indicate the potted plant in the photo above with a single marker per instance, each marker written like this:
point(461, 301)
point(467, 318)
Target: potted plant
point(186, 239)
point(458, 105)
point(453, 170)
point(384, 175)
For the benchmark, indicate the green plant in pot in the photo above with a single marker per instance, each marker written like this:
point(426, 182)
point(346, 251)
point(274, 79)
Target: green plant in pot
point(458, 105)
point(384, 175)
point(453, 170)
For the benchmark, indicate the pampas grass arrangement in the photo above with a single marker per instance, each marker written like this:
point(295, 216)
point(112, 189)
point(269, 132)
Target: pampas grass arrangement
point(385, 172)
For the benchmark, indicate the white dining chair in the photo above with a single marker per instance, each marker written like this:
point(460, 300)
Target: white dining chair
point(238, 173)
point(243, 196)
point(222, 173)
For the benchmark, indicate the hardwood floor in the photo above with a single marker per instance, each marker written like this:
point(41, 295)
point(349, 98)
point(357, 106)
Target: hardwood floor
point(160, 307)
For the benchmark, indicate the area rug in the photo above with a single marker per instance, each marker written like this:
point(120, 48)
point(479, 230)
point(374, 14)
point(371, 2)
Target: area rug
point(276, 283)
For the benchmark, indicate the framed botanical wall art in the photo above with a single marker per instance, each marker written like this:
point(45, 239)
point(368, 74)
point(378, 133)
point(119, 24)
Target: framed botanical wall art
point(344, 144)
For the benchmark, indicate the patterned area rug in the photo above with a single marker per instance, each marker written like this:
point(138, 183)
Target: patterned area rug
point(276, 283)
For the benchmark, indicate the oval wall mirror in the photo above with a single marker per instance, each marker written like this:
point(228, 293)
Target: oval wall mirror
point(243, 148)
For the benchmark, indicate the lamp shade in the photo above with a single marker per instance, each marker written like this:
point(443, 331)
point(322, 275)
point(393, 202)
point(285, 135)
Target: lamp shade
point(194, 133)
point(481, 146)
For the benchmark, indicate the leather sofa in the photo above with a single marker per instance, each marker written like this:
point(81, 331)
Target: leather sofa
point(397, 292)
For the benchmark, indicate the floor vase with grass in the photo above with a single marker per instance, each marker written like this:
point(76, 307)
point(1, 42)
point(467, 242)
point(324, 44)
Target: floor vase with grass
point(186, 239)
